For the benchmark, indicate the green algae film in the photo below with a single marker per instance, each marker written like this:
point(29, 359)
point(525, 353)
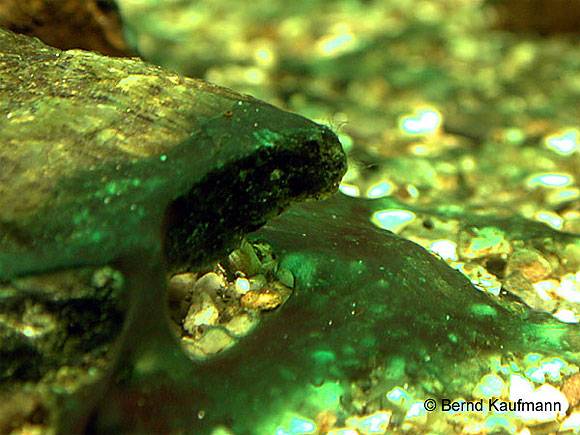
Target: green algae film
point(363, 295)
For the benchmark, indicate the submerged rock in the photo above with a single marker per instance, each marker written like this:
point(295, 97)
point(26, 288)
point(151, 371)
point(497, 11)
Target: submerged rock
point(365, 298)
point(117, 161)
point(92, 147)
point(87, 24)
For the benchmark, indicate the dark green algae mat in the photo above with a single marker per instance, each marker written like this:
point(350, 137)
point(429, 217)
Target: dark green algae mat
point(366, 297)
point(111, 161)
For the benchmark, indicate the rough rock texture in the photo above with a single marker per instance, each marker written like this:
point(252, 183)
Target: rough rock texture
point(60, 319)
point(93, 147)
point(88, 24)
point(545, 17)
point(113, 160)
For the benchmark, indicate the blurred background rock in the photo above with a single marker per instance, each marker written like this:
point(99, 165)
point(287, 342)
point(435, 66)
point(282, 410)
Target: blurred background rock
point(87, 24)
point(544, 17)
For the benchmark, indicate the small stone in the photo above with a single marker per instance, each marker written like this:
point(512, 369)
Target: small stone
point(571, 424)
point(530, 293)
point(180, 286)
point(483, 242)
point(399, 397)
point(242, 324)
point(267, 299)
point(522, 389)
point(519, 387)
point(544, 394)
point(213, 341)
point(417, 413)
point(566, 316)
point(482, 278)
point(530, 263)
point(571, 389)
point(37, 321)
point(325, 421)
point(375, 423)
point(258, 282)
point(285, 277)
point(222, 430)
point(210, 283)
point(569, 288)
point(242, 286)
point(244, 259)
point(107, 276)
point(205, 313)
point(343, 431)
point(497, 423)
point(18, 409)
point(489, 386)
point(571, 255)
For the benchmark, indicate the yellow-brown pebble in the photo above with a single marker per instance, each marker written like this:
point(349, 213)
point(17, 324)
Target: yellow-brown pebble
point(530, 263)
point(266, 299)
point(571, 390)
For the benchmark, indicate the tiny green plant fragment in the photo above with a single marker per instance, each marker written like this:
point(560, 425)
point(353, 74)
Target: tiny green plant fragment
point(114, 161)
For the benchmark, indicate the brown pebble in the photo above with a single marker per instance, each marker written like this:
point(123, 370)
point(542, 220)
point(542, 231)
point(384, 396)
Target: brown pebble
point(326, 420)
point(180, 286)
point(18, 409)
point(483, 242)
point(244, 259)
point(267, 298)
point(261, 300)
point(530, 263)
point(571, 390)
point(66, 24)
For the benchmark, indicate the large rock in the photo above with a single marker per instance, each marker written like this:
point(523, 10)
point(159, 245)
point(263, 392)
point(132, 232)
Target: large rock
point(87, 24)
point(365, 298)
point(94, 148)
point(114, 160)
